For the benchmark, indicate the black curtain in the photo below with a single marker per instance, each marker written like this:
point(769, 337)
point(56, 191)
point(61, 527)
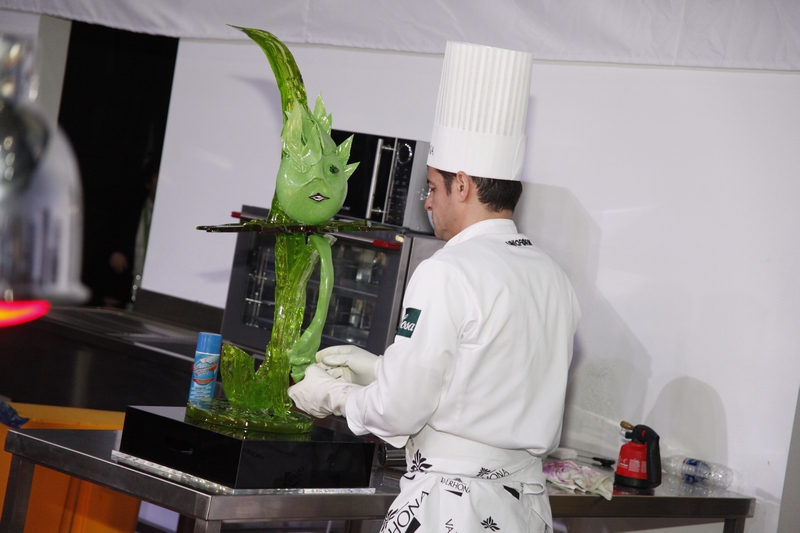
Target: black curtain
point(114, 108)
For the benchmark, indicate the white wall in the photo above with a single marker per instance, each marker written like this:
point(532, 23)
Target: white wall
point(668, 195)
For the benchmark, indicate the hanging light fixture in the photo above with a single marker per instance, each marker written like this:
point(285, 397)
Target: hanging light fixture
point(41, 203)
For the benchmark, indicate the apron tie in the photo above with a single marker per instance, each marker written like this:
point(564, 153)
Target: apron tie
point(534, 488)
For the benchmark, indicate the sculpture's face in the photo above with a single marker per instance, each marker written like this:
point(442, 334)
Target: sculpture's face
point(312, 179)
point(314, 196)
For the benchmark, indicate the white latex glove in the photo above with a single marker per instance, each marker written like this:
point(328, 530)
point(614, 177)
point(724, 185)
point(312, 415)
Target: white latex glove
point(351, 363)
point(321, 395)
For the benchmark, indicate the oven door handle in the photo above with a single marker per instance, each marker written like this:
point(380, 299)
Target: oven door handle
point(374, 182)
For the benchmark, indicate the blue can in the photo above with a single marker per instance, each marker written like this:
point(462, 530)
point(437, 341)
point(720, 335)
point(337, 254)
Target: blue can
point(205, 368)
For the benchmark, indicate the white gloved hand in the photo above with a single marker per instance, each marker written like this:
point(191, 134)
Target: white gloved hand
point(321, 395)
point(351, 363)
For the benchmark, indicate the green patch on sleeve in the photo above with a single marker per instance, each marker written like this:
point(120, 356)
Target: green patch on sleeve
point(409, 322)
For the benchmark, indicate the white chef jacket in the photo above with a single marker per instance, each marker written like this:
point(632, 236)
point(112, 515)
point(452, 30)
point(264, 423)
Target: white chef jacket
point(481, 355)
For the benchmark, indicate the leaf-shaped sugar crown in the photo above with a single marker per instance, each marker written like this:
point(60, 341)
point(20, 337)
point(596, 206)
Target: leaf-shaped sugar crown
point(307, 137)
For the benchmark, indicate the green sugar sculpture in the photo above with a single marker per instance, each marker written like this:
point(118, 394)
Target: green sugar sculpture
point(310, 189)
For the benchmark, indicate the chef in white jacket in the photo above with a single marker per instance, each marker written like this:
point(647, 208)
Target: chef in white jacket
point(474, 384)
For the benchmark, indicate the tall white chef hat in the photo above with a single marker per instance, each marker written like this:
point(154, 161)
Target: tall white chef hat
point(479, 126)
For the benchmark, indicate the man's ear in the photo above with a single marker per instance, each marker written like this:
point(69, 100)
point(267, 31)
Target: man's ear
point(462, 185)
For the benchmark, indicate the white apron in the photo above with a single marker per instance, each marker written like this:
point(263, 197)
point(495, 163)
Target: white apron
point(454, 485)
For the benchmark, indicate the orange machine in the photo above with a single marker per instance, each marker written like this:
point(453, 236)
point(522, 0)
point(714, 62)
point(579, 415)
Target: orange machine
point(61, 503)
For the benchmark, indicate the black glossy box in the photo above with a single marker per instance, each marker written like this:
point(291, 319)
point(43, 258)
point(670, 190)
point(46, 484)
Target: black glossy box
point(324, 458)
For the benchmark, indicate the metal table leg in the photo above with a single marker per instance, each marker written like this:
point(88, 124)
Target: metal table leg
point(194, 525)
point(734, 525)
point(18, 492)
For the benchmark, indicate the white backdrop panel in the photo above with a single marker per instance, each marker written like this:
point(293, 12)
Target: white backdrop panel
point(668, 195)
point(763, 34)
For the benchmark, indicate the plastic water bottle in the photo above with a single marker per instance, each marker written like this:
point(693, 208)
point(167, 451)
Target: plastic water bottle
point(695, 471)
point(204, 370)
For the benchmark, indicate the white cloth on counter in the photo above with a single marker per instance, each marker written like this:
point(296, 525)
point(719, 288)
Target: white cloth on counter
point(571, 476)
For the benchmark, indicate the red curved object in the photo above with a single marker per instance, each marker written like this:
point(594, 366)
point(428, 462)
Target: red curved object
point(13, 313)
point(386, 245)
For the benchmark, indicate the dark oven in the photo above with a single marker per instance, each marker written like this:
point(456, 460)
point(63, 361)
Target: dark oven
point(390, 182)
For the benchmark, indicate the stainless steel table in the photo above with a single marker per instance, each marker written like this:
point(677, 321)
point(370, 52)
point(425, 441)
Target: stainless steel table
point(86, 454)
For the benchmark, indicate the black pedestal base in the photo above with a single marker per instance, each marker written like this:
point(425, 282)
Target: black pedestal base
point(320, 459)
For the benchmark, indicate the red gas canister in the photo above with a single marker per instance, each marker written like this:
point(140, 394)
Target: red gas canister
point(639, 464)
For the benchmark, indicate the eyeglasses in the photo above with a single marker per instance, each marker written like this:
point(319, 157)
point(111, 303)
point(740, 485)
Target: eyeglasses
point(424, 194)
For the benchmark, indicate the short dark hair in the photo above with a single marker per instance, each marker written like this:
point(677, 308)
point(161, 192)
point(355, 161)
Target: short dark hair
point(496, 195)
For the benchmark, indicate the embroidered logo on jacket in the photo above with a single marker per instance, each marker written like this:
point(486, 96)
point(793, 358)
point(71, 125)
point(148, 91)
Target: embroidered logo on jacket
point(455, 485)
point(409, 322)
point(490, 524)
point(485, 473)
point(520, 242)
point(418, 464)
point(403, 519)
